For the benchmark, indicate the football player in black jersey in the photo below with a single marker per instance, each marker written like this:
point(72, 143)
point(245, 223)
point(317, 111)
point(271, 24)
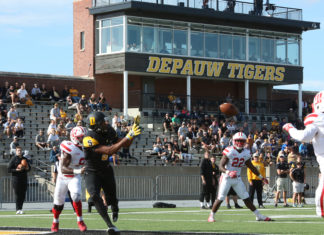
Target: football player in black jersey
point(100, 142)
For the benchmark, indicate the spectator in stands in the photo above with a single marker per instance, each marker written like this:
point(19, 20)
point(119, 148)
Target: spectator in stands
point(191, 138)
point(54, 94)
point(8, 127)
point(176, 123)
point(93, 102)
point(69, 125)
point(184, 152)
point(102, 103)
point(13, 145)
point(55, 113)
point(4, 90)
point(3, 108)
point(51, 126)
point(78, 118)
point(74, 93)
point(114, 121)
point(65, 92)
point(83, 104)
point(224, 141)
point(166, 154)
point(214, 127)
point(11, 95)
point(245, 128)
point(36, 92)
point(40, 141)
point(292, 156)
point(28, 156)
point(167, 123)
point(157, 146)
point(44, 92)
point(18, 129)
point(22, 94)
point(182, 132)
point(71, 104)
point(79, 123)
point(303, 149)
point(61, 131)
point(17, 87)
point(63, 115)
point(55, 156)
point(53, 138)
point(176, 152)
point(12, 114)
point(282, 180)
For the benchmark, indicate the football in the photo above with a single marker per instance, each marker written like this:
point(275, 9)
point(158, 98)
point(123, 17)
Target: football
point(228, 109)
point(24, 163)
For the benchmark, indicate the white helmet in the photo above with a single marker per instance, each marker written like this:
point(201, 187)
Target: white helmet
point(239, 140)
point(318, 102)
point(77, 134)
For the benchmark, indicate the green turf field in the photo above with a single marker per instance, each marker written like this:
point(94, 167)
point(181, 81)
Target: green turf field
point(287, 220)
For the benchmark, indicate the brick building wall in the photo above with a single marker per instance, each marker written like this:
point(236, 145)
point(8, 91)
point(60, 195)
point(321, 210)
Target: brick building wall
point(83, 60)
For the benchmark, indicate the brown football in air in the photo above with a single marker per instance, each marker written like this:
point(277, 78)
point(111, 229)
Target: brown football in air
point(228, 109)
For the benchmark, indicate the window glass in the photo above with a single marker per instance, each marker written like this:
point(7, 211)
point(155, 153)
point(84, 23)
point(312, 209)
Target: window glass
point(225, 46)
point(105, 23)
point(117, 21)
point(254, 48)
point(197, 44)
point(116, 39)
point(134, 38)
point(82, 38)
point(149, 39)
point(97, 40)
point(165, 41)
point(180, 42)
point(280, 56)
point(239, 47)
point(105, 41)
point(267, 50)
point(211, 45)
point(293, 51)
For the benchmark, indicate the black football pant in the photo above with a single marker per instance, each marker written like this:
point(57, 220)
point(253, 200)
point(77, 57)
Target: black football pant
point(105, 180)
point(20, 187)
point(208, 191)
point(256, 186)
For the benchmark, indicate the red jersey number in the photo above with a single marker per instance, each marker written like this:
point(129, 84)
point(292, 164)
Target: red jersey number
point(81, 161)
point(237, 162)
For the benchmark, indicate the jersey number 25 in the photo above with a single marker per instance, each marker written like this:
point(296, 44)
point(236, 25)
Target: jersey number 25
point(237, 162)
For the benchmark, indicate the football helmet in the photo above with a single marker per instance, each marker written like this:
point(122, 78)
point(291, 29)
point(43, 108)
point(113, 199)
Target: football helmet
point(239, 140)
point(318, 103)
point(77, 134)
point(96, 122)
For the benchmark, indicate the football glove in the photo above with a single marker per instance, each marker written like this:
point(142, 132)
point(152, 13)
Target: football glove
point(287, 127)
point(137, 120)
point(135, 131)
point(232, 174)
point(265, 181)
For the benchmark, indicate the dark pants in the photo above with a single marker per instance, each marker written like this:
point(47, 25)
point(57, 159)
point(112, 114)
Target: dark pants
point(20, 187)
point(256, 186)
point(105, 180)
point(208, 191)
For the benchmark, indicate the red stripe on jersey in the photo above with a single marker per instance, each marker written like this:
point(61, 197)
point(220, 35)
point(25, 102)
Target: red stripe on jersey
point(312, 115)
point(66, 148)
point(308, 122)
point(321, 201)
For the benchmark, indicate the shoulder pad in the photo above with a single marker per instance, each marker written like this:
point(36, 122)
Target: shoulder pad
point(310, 118)
point(89, 142)
point(227, 150)
point(66, 146)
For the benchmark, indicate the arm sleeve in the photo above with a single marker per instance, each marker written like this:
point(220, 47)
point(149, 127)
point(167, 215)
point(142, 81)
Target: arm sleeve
point(11, 165)
point(305, 135)
point(262, 171)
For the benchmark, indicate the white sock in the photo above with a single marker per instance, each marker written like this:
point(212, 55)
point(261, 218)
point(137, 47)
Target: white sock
point(201, 204)
point(79, 218)
point(257, 213)
point(55, 220)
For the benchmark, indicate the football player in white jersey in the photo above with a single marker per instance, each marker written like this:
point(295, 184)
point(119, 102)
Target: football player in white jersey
point(69, 177)
point(234, 158)
point(314, 132)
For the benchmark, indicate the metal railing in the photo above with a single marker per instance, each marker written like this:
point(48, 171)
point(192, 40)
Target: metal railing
point(219, 5)
point(162, 187)
point(209, 104)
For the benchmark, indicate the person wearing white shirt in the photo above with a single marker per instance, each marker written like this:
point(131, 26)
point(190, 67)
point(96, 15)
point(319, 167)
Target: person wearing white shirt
point(51, 126)
point(22, 94)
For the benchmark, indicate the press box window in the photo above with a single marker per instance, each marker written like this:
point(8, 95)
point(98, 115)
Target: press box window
point(82, 41)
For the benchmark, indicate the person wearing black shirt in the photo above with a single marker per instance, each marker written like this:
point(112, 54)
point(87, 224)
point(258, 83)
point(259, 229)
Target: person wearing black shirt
point(297, 175)
point(167, 123)
point(208, 182)
point(282, 180)
point(99, 143)
point(184, 152)
point(19, 178)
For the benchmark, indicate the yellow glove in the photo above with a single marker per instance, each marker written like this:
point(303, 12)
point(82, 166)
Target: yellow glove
point(135, 131)
point(137, 120)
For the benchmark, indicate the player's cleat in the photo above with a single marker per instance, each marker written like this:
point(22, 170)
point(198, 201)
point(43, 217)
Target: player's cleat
point(228, 206)
point(113, 231)
point(211, 218)
point(237, 206)
point(115, 216)
point(55, 227)
point(82, 226)
point(203, 207)
point(264, 218)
